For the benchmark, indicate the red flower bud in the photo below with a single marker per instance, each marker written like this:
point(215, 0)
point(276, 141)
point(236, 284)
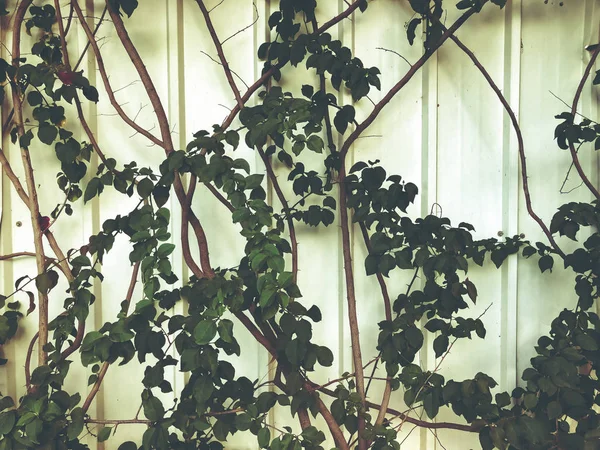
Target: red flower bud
point(44, 223)
point(66, 77)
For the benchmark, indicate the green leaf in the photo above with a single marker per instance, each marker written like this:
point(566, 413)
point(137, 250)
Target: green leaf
point(165, 250)
point(431, 404)
point(145, 187)
point(104, 434)
point(554, 410)
point(440, 345)
point(225, 329)
point(128, 445)
point(91, 93)
point(76, 426)
point(264, 437)
point(324, 356)
point(545, 263)
point(93, 188)
point(34, 98)
point(7, 422)
point(46, 281)
point(205, 331)
point(233, 138)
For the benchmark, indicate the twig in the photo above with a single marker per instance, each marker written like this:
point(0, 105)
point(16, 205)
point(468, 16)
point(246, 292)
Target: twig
point(400, 84)
point(395, 53)
point(232, 71)
point(245, 28)
point(107, 86)
point(219, 49)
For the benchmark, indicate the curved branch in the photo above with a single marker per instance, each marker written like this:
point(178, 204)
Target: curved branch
point(185, 241)
point(352, 314)
point(34, 207)
point(104, 368)
point(286, 208)
point(398, 86)
point(165, 131)
point(520, 143)
point(107, 86)
point(574, 156)
point(219, 48)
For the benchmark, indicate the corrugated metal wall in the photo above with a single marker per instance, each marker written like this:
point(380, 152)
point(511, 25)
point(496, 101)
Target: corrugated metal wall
point(445, 131)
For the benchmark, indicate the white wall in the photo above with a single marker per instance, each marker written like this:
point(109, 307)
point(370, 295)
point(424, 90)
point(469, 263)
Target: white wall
point(445, 131)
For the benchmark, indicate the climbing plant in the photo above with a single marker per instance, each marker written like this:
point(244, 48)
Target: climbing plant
point(554, 408)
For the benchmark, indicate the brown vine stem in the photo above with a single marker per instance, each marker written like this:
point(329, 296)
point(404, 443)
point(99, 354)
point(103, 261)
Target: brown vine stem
point(185, 240)
point(352, 314)
point(474, 428)
point(400, 84)
point(574, 155)
point(28, 361)
point(61, 33)
point(240, 104)
point(269, 73)
point(385, 401)
point(103, 74)
point(520, 143)
point(286, 208)
point(165, 131)
point(104, 368)
point(219, 49)
point(34, 207)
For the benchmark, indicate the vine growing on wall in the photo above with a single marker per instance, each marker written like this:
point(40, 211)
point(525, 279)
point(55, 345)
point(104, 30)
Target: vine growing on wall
point(556, 407)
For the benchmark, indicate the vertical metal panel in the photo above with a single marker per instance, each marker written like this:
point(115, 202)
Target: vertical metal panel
point(459, 149)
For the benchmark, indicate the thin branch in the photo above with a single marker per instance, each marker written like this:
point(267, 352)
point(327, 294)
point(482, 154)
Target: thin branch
point(246, 27)
point(34, 208)
point(28, 361)
point(232, 71)
point(92, 394)
point(395, 53)
point(520, 143)
point(88, 43)
point(398, 86)
point(107, 86)
point(574, 156)
point(352, 313)
point(286, 208)
point(219, 49)
point(185, 241)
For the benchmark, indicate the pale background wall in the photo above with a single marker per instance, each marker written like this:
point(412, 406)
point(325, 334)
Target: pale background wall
point(445, 131)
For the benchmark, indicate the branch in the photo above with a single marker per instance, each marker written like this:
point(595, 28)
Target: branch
point(398, 86)
point(578, 92)
point(520, 143)
point(286, 208)
point(104, 368)
point(385, 401)
point(219, 48)
point(352, 314)
point(34, 207)
point(109, 91)
point(163, 122)
point(185, 241)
